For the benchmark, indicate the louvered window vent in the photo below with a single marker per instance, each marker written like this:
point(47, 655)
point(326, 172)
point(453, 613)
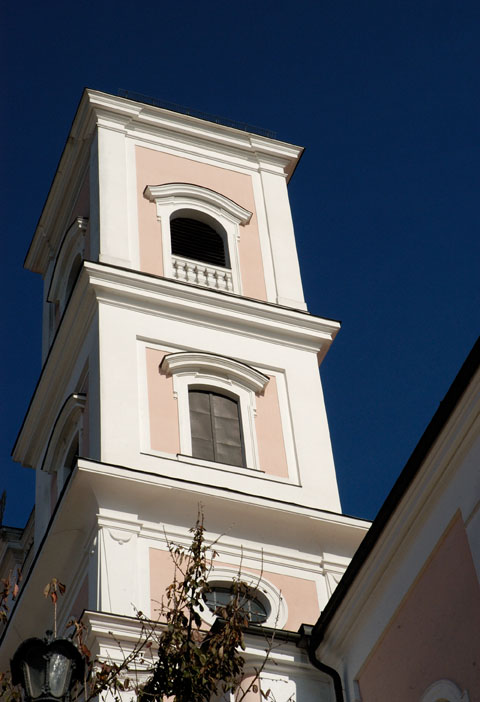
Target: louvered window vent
point(198, 241)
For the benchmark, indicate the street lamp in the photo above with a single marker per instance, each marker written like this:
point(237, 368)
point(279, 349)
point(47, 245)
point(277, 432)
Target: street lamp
point(47, 669)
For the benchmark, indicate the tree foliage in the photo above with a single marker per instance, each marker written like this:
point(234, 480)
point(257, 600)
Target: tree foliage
point(192, 663)
point(175, 657)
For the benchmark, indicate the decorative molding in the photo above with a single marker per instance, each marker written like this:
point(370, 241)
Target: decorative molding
point(66, 424)
point(73, 244)
point(444, 691)
point(213, 376)
point(196, 194)
point(143, 292)
point(223, 214)
point(120, 536)
point(189, 271)
point(147, 124)
point(193, 492)
point(194, 362)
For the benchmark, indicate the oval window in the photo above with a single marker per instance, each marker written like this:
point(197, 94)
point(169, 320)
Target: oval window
point(220, 595)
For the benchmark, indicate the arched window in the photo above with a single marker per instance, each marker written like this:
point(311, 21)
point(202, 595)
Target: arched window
point(198, 241)
point(226, 417)
point(256, 609)
point(215, 427)
point(200, 230)
point(63, 444)
point(68, 263)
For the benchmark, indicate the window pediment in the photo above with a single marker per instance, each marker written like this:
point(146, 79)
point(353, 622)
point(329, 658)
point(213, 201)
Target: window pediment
point(187, 193)
point(65, 427)
point(210, 364)
point(72, 246)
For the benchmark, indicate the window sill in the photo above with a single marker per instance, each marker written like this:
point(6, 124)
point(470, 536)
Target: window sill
point(242, 470)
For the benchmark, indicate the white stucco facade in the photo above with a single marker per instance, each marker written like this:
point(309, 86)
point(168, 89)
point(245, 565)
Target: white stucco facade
point(128, 330)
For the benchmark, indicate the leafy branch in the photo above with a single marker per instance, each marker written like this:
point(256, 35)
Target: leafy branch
point(175, 657)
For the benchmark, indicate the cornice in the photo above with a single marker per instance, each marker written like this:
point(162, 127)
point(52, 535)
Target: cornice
point(142, 482)
point(101, 283)
point(66, 181)
point(108, 630)
point(234, 550)
point(158, 117)
point(135, 118)
point(167, 297)
point(195, 193)
point(48, 396)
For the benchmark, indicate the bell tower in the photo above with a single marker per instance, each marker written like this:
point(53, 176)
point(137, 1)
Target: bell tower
point(180, 367)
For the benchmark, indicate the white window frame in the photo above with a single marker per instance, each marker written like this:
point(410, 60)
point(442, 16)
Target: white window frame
point(444, 691)
point(68, 427)
point(267, 593)
point(203, 371)
point(73, 245)
point(195, 201)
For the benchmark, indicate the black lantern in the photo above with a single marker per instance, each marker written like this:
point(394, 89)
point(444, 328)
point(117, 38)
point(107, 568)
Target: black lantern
point(47, 669)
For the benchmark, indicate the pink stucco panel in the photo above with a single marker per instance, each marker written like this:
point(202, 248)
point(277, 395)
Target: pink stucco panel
point(270, 440)
point(162, 406)
point(158, 168)
point(435, 632)
point(161, 576)
point(300, 594)
point(249, 681)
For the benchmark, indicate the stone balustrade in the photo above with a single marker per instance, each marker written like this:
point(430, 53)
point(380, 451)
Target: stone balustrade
point(202, 274)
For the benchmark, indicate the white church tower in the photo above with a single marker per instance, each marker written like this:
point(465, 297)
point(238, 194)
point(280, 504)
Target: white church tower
point(180, 368)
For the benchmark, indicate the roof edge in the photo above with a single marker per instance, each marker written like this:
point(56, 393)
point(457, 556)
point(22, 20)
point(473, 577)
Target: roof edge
point(398, 491)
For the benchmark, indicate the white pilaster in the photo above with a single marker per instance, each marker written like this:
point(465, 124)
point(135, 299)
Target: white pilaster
point(113, 197)
point(284, 252)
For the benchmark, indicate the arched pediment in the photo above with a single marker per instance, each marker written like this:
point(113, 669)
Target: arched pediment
point(66, 424)
point(211, 364)
point(189, 194)
point(72, 246)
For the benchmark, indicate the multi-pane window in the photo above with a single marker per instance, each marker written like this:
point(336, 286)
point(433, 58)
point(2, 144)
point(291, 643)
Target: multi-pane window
point(197, 240)
point(219, 596)
point(216, 427)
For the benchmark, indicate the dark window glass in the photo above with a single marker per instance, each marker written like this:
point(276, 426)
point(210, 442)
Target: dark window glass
point(219, 596)
point(198, 241)
point(216, 428)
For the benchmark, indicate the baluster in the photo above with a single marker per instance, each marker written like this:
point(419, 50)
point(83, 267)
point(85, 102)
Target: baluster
point(222, 283)
point(201, 277)
point(180, 269)
point(191, 272)
point(211, 282)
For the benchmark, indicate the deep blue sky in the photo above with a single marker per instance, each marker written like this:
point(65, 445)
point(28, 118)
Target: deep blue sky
point(384, 96)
